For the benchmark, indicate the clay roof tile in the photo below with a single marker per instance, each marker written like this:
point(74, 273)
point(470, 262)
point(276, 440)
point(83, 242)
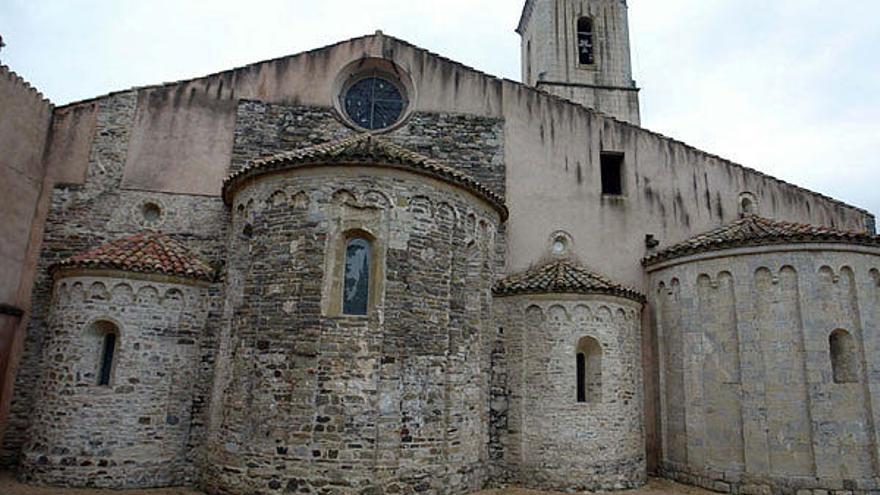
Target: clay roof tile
point(363, 149)
point(753, 230)
point(562, 276)
point(145, 252)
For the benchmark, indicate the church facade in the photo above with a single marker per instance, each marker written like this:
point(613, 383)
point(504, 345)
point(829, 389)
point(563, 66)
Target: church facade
point(370, 269)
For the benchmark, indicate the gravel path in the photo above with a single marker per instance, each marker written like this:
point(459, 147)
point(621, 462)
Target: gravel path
point(8, 486)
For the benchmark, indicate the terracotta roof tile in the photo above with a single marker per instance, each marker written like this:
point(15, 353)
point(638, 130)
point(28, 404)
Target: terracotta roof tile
point(145, 252)
point(757, 231)
point(362, 149)
point(562, 276)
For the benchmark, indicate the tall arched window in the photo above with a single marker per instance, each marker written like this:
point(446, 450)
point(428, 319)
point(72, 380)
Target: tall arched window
point(844, 357)
point(589, 370)
point(356, 289)
point(108, 338)
point(586, 53)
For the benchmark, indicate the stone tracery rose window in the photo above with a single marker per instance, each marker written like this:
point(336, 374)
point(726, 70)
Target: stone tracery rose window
point(374, 103)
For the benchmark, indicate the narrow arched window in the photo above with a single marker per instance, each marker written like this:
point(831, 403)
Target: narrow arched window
point(108, 350)
point(586, 53)
point(581, 377)
point(356, 289)
point(844, 357)
point(589, 370)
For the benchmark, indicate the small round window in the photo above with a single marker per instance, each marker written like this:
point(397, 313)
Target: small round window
point(374, 103)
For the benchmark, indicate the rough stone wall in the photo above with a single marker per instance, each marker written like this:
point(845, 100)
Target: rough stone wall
point(471, 144)
point(84, 216)
point(135, 431)
point(748, 397)
point(309, 400)
point(543, 437)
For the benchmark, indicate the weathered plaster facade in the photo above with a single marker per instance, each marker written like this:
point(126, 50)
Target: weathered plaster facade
point(442, 387)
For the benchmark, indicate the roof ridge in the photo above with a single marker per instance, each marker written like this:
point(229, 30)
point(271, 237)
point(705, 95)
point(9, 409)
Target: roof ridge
point(754, 230)
point(363, 149)
point(518, 84)
point(562, 276)
point(147, 251)
point(31, 89)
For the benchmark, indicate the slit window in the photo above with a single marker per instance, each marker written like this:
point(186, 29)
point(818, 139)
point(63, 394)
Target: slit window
point(107, 354)
point(612, 173)
point(581, 377)
point(589, 371)
point(586, 50)
point(356, 290)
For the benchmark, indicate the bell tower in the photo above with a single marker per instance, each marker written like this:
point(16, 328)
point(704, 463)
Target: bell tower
point(579, 50)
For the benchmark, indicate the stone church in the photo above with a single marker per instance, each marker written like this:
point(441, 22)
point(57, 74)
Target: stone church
point(370, 269)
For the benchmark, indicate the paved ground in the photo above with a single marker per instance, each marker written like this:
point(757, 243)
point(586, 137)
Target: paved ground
point(8, 486)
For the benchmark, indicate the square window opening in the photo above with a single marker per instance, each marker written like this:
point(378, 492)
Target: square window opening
point(612, 173)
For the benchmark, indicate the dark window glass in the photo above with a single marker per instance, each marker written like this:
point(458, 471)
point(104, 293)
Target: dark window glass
point(612, 173)
point(374, 103)
point(356, 291)
point(107, 359)
point(581, 377)
point(585, 41)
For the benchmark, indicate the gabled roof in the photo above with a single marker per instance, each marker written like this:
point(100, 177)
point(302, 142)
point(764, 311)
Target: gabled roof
point(757, 231)
point(366, 150)
point(233, 74)
point(562, 276)
point(147, 252)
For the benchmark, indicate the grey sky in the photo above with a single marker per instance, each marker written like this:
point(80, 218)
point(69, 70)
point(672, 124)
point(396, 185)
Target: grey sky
point(789, 87)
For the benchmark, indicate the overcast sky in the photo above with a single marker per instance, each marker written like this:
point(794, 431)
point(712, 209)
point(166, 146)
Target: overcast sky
point(790, 87)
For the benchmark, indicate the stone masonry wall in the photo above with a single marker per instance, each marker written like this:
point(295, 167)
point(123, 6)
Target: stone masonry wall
point(135, 431)
point(468, 143)
point(83, 217)
point(747, 390)
point(311, 401)
point(543, 437)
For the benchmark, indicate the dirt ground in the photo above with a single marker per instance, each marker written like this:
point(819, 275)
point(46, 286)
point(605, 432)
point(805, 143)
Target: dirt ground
point(8, 486)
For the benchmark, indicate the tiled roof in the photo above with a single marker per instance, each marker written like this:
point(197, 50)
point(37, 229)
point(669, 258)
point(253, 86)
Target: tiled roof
point(146, 252)
point(362, 149)
point(562, 276)
point(757, 231)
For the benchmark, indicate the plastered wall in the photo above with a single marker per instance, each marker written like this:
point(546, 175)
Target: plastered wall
point(25, 118)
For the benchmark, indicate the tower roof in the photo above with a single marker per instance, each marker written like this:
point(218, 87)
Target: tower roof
point(147, 252)
point(362, 149)
point(753, 230)
point(562, 276)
